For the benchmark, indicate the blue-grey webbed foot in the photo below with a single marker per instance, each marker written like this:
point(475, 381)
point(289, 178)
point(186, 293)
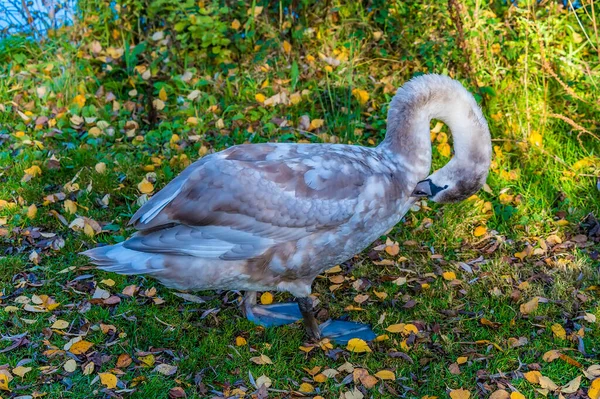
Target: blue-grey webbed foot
point(277, 314)
point(341, 332)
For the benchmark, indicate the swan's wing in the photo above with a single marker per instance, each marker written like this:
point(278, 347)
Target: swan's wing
point(248, 198)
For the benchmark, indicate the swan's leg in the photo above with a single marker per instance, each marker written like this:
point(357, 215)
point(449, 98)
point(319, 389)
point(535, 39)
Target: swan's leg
point(308, 317)
point(276, 314)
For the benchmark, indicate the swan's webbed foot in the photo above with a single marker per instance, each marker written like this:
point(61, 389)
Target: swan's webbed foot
point(277, 314)
point(341, 332)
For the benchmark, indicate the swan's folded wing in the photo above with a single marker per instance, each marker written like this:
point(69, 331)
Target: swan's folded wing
point(269, 199)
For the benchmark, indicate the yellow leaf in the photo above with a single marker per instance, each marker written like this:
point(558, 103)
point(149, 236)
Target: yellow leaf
point(361, 95)
point(70, 206)
point(533, 376)
point(320, 378)
point(460, 394)
point(260, 98)
point(60, 325)
point(462, 360)
point(449, 276)
point(559, 331)
point(358, 345)
point(32, 211)
point(535, 139)
point(34, 171)
point(385, 375)
point(145, 186)
point(315, 124)
point(306, 387)
point(21, 371)
point(148, 360)
point(80, 347)
point(266, 298)
point(396, 328)
point(287, 47)
point(593, 393)
point(162, 94)
point(530, 306)
point(517, 395)
point(235, 24)
point(109, 380)
point(88, 230)
point(479, 231)
point(4, 382)
point(240, 341)
point(79, 100)
point(444, 149)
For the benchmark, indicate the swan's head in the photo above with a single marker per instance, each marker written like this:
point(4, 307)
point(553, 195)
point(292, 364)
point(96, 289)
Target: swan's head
point(456, 181)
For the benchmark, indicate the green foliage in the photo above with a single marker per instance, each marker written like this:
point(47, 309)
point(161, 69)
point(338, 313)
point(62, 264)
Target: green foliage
point(147, 86)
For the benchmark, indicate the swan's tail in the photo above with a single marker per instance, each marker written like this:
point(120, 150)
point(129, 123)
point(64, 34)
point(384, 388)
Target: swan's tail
point(121, 260)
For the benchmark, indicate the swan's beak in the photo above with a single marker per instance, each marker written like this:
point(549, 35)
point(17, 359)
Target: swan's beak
point(423, 189)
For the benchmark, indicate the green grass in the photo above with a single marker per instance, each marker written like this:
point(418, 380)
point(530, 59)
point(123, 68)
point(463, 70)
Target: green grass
point(535, 192)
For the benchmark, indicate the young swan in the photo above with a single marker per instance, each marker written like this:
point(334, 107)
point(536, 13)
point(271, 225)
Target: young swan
point(274, 216)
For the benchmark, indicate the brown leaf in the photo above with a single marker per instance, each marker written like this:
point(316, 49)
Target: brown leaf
point(123, 361)
point(177, 393)
point(500, 394)
point(460, 394)
point(530, 306)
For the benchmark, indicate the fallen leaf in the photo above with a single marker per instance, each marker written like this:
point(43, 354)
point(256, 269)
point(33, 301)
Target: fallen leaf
point(179, 393)
point(361, 95)
point(449, 276)
point(263, 380)
point(533, 376)
point(460, 394)
point(109, 380)
point(385, 375)
point(4, 382)
point(80, 347)
point(306, 387)
point(123, 361)
point(559, 331)
point(479, 231)
point(517, 395)
point(145, 186)
point(287, 47)
point(530, 306)
point(358, 345)
point(500, 394)
point(70, 365)
point(147, 360)
point(32, 211)
point(165, 369)
point(21, 371)
point(266, 298)
point(240, 341)
point(551, 355)
point(590, 317)
point(572, 386)
point(593, 392)
point(547, 383)
point(262, 359)
point(60, 324)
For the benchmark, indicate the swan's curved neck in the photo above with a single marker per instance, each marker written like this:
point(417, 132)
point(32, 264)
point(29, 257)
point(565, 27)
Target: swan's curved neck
point(435, 97)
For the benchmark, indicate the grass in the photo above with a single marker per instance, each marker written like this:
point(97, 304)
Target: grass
point(532, 68)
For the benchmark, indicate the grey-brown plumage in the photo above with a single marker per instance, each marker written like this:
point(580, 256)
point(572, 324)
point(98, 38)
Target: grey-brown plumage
point(274, 216)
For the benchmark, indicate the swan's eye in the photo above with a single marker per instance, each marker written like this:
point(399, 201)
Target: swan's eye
point(421, 193)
